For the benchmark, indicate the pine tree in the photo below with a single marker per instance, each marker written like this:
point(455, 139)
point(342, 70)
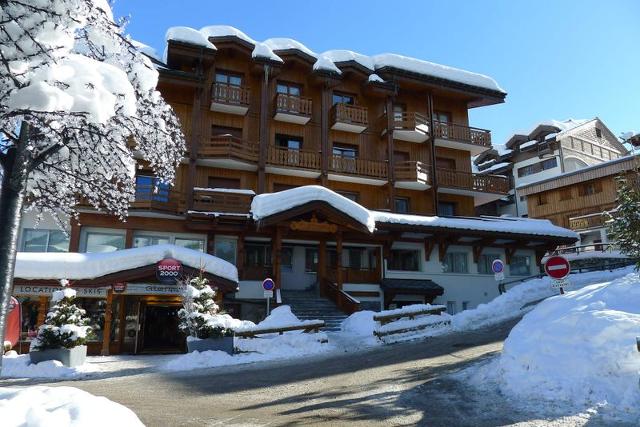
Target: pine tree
point(200, 316)
point(65, 326)
point(623, 223)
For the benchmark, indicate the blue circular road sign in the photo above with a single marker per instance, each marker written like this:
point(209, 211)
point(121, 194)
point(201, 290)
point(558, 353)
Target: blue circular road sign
point(497, 266)
point(268, 284)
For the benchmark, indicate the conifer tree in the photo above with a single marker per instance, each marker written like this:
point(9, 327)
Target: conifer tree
point(200, 316)
point(623, 223)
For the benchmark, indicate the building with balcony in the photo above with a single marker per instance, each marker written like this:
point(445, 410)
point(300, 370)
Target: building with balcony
point(338, 175)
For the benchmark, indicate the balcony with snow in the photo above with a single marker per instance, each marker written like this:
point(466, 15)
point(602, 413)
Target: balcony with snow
point(293, 109)
point(408, 126)
point(229, 152)
point(221, 202)
point(461, 137)
point(412, 175)
point(483, 188)
point(230, 98)
point(357, 170)
point(349, 118)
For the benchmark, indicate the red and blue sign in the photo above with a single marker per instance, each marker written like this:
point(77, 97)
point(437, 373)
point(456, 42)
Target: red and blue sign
point(268, 284)
point(497, 266)
point(168, 270)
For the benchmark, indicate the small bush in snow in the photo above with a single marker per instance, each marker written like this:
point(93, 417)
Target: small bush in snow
point(65, 325)
point(200, 316)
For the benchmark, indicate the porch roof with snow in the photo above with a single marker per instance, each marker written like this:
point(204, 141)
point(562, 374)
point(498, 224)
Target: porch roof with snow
point(98, 269)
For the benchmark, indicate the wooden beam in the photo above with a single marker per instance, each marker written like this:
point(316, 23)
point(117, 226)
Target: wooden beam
point(478, 247)
point(390, 149)
point(276, 256)
point(106, 330)
point(339, 259)
point(264, 129)
point(322, 261)
point(509, 252)
point(429, 244)
point(128, 238)
point(443, 245)
point(240, 256)
point(74, 237)
point(325, 104)
point(43, 302)
point(432, 140)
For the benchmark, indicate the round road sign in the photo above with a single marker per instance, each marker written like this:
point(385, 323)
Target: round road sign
point(497, 266)
point(268, 284)
point(557, 267)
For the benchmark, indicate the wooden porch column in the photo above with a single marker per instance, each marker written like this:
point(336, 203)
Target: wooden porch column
point(240, 256)
point(128, 238)
point(276, 256)
point(74, 237)
point(106, 331)
point(121, 322)
point(339, 259)
point(322, 261)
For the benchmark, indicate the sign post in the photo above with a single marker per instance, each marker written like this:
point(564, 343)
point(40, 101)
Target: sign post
point(558, 268)
point(497, 266)
point(268, 285)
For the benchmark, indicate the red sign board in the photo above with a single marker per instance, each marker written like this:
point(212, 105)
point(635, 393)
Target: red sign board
point(119, 287)
point(12, 332)
point(168, 270)
point(557, 267)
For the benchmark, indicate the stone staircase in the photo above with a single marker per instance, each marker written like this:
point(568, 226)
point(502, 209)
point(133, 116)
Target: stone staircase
point(308, 305)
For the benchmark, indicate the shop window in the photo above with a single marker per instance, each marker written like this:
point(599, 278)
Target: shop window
point(141, 241)
point(257, 254)
point(351, 195)
point(404, 260)
point(520, 266)
point(288, 89)
point(195, 244)
point(217, 182)
point(286, 258)
point(29, 325)
point(446, 209)
point(484, 263)
point(456, 262)
point(225, 248)
point(104, 242)
point(35, 240)
point(311, 260)
point(401, 205)
point(343, 98)
point(95, 309)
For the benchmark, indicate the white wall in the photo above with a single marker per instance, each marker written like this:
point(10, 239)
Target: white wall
point(518, 181)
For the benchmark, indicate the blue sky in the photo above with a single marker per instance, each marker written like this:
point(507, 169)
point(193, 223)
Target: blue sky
point(556, 59)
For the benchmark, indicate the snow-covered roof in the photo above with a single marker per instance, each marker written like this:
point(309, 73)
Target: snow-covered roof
point(265, 205)
point(146, 49)
point(561, 126)
point(496, 167)
point(510, 225)
point(327, 61)
point(79, 266)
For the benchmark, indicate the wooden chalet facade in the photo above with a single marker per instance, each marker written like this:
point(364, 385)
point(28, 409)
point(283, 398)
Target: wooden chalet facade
point(393, 142)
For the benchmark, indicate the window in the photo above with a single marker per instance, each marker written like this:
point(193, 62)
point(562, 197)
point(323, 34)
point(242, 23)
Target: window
point(465, 305)
point(446, 208)
point(442, 116)
point(257, 254)
point(590, 188)
point(149, 188)
point(538, 167)
point(456, 262)
point(225, 248)
point(565, 194)
point(231, 79)
point(343, 98)
point(195, 244)
point(346, 151)
point(542, 199)
point(523, 198)
point(351, 195)
point(286, 258)
point(104, 242)
point(404, 260)
point(344, 157)
point(288, 142)
point(445, 163)
point(520, 266)
point(226, 131)
point(401, 204)
point(216, 182)
point(140, 241)
point(288, 89)
point(598, 132)
point(451, 307)
point(398, 112)
point(484, 263)
point(44, 241)
point(310, 260)
point(401, 156)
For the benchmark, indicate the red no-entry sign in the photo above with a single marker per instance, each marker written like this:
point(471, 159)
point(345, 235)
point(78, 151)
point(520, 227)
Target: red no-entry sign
point(557, 267)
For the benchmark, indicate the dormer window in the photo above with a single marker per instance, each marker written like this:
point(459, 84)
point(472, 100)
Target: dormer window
point(599, 132)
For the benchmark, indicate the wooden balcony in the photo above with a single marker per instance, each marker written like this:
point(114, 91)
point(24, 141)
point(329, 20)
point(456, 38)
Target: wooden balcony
point(361, 171)
point(228, 152)
point(226, 98)
point(411, 127)
point(461, 137)
point(412, 175)
point(158, 200)
point(586, 222)
point(284, 161)
point(483, 188)
point(219, 201)
point(293, 109)
point(349, 118)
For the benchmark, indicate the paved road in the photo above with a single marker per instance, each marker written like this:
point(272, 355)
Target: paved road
point(402, 384)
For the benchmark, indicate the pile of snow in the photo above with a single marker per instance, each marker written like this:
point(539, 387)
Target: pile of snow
point(189, 35)
point(578, 349)
point(61, 406)
point(511, 303)
point(77, 266)
point(20, 366)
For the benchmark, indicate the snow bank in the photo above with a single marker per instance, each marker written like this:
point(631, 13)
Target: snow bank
point(360, 323)
point(580, 348)
point(20, 366)
point(509, 304)
point(76, 266)
point(188, 35)
point(61, 406)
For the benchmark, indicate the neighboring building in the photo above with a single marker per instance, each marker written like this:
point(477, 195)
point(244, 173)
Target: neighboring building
point(550, 149)
point(578, 200)
point(362, 170)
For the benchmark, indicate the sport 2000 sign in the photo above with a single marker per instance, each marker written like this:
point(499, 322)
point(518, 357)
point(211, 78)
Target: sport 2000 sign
point(168, 270)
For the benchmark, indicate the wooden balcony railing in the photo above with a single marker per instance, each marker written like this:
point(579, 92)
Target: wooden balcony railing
point(227, 146)
point(412, 171)
point(157, 199)
point(290, 104)
point(473, 181)
point(294, 158)
point(586, 221)
point(211, 200)
point(230, 94)
point(362, 167)
point(351, 114)
point(475, 136)
point(409, 121)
